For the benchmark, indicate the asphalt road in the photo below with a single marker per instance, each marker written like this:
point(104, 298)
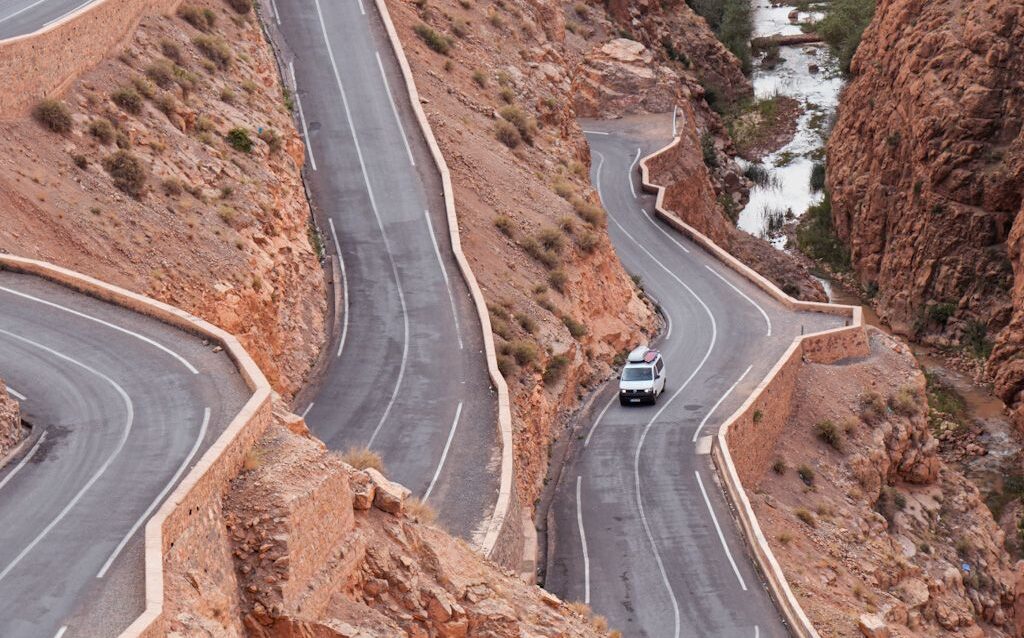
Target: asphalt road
point(19, 17)
point(407, 376)
point(642, 530)
point(121, 406)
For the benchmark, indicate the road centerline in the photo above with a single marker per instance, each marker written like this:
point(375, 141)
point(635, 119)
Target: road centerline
point(718, 528)
point(764, 314)
point(696, 433)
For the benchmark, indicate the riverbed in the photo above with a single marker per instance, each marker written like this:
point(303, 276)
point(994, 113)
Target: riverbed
point(789, 189)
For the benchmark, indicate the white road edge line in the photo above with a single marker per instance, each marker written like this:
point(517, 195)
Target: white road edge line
point(444, 453)
point(380, 223)
point(675, 109)
point(757, 631)
point(60, 632)
point(344, 286)
point(67, 13)
point(103, 468)
point(595, 132)
point(636, 159)
point(444, 273)
point(17, 395)
point(650, 424)
point(583, 542)
point(718, 527)
point(22, 462)
point(663, 231)
point(138, 336)
point(308, 408)
point(394, 109)
point(277, 15)
point(707, 416)
point(362, 9)
point(598, 421)
point(160, 497)
point(302, 117)
point(744, 295)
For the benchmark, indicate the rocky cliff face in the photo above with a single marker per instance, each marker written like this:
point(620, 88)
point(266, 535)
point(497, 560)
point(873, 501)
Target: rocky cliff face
point(309, 546)
point(876, 535)
point(220, 232)
point(11, 431)
point(500, 104)
point(926, 171)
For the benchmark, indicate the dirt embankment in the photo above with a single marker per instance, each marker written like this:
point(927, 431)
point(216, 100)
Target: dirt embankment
point(926, 172)
point(875, 533)
point(11, 431)
point(496, 88)
point(305, 545)
point(174, 171)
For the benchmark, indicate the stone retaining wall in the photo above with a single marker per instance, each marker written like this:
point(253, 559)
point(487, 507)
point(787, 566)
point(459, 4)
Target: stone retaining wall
point(46, 62)
point(170, 532)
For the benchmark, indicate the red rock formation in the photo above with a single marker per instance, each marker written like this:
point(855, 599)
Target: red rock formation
point(926, 167)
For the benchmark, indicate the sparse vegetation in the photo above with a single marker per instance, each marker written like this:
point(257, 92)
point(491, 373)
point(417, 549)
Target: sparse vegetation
point(215, 49)
point(128, 99)
point(507, 134)
point(872, 408)
point(557, 279)
point(171, 50)
point(204, 20)
point(805, 517)
point(525, 125)
point(732, 22)
point(362, 458)
point(54, 115)
point(127, 171)
point(905, 402)
point(438, 42)
point(576, 329)
point(241, 7)
point(806, 474)
point(480, 78)
point(524, 352)
point(505, 225)
point(829, 434)
point(587, 242)
point(555, 369)
point(102, 130)
point(817, 238)
point(420, 511)
point(161, 73)
point(779, 467)
point(272, 139)
point(239, 140)
point(588, 212)
point(707, 148)
point(817, 177)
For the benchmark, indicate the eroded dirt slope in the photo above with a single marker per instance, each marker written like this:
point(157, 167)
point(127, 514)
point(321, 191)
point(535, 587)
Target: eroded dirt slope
point(871, 527)
point(220, 232)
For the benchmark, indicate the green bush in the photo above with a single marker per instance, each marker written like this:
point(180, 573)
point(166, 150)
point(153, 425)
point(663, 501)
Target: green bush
point(215, 49)
point(816, 237)
point(128, 99)
point(707, 149)
point(239, 140)
point(817, 177)
point(732, 22)
point(54, 115)
point(843, 26)
point(438, 42)
point(555, 369)
point(127, 171)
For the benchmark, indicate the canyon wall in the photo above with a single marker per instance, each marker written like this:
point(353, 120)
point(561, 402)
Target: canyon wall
point(141, 185)
point(926, 173)
point(11, 430)
point(876, 535)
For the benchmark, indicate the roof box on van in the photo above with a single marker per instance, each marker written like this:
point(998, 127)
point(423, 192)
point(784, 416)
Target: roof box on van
point(642, 354)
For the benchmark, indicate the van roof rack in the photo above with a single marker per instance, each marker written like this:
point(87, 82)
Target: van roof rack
point(642, 354)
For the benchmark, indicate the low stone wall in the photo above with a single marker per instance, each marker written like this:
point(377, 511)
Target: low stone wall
point(742, 448)
point(200, 492)
point(46, 62)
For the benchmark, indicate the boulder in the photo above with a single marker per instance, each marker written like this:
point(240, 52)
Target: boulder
point(388, 496)
point(872, 626)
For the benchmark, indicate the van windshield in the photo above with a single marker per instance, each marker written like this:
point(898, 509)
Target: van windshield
point(638, 374)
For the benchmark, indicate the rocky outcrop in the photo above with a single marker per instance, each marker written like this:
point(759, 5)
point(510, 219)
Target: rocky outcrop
point(304, 555)
point(11, 430)
point(926, 171)
point(620, 78)
point(876, 535)
point(221, 232)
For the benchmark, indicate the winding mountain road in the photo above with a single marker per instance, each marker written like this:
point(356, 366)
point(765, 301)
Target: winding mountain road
point(121, 406)
point(642, 531)
point(408, 376)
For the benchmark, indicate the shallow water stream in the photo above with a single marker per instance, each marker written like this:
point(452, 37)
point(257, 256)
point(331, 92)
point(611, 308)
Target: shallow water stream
point(818, 95)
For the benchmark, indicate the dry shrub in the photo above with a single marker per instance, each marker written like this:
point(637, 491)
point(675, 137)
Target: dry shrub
point(102, 130)
point(54, 115)
point(905, 402)
point(215, 49)
point(128, 99)
point(127, 171)
point(161, 73)
point(362, 458)
point(507, 134)
point(872, 407)
point(420, 511)
point(588, 212)
point(241, 6)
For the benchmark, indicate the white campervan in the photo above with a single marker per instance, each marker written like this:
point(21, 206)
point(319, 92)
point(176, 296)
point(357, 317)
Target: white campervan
point(643, 377)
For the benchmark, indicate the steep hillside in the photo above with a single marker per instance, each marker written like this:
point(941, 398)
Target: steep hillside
point(173, 169)
point(876, 535)
point(926, 173)
point(495, 84)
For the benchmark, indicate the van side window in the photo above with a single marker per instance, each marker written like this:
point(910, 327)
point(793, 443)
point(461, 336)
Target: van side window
point(659, 366)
